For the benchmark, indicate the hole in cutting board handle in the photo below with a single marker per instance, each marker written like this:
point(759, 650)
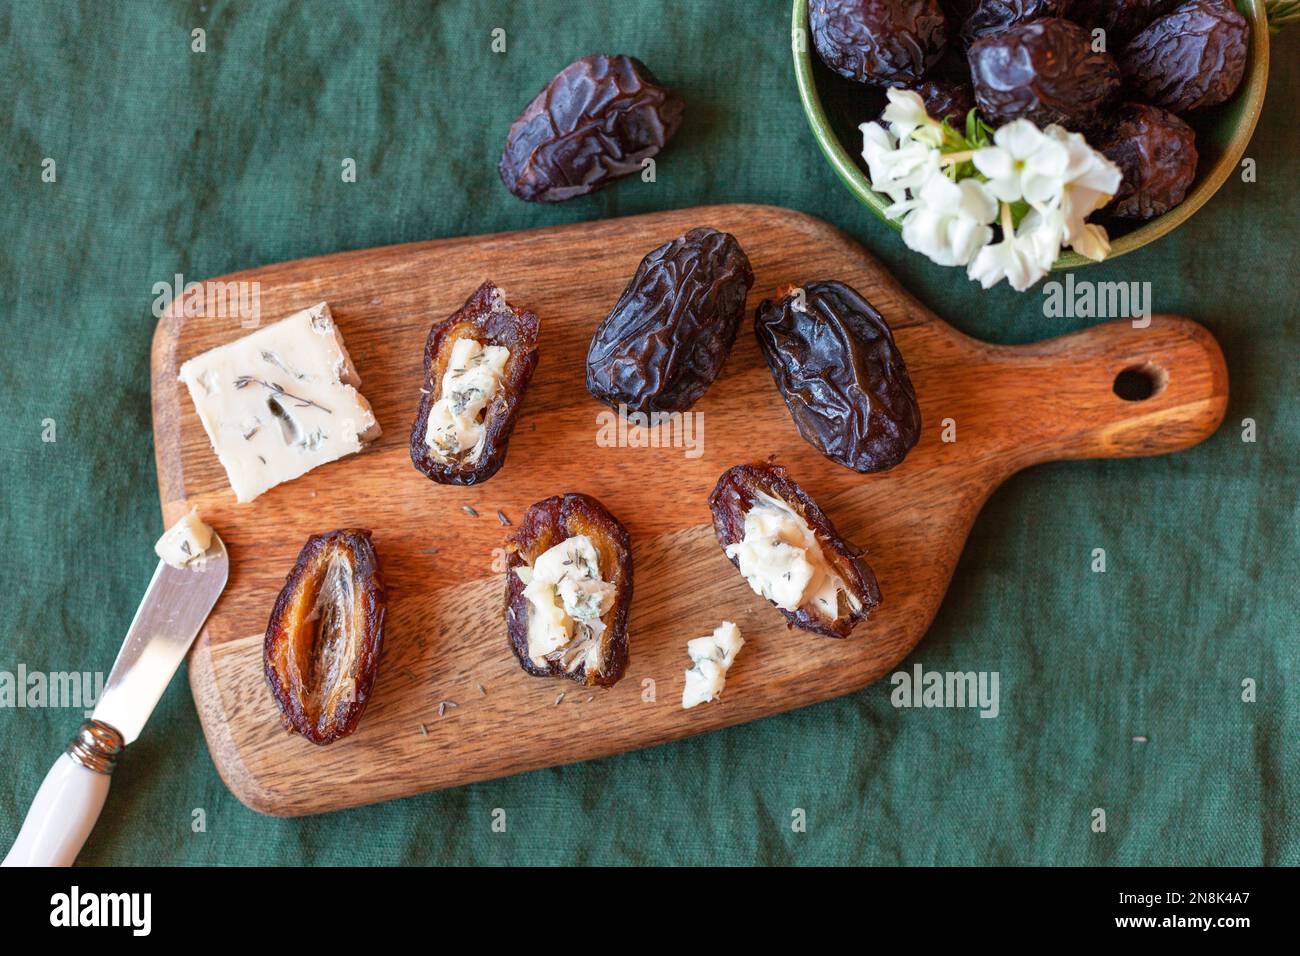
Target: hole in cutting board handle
point(1140, 382)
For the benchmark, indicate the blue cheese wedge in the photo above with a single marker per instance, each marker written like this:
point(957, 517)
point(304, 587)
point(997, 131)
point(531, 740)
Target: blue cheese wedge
point(471, 382)
point(712, 657)
point(782, 560)
point(566, 600)
point(185, 542)
point(281, 401)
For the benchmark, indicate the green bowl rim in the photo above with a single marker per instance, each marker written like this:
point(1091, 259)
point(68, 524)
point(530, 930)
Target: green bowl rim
point(1252, 90)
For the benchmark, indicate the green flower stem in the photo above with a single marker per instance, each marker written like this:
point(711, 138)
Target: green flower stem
point(949, 158)
point(1280, 13)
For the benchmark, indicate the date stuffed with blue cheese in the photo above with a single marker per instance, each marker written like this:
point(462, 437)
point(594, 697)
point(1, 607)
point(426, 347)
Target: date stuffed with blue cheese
point(789, 552)
point(280, 402)
point(711, 658)
point(568, 591)
point(477, 366)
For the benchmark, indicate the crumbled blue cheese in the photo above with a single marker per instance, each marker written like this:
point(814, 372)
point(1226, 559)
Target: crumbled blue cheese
point(566, 599)
point(470, 383)
point(782, 560)
point(185, 541)
point(281, 401)
point(713, 657)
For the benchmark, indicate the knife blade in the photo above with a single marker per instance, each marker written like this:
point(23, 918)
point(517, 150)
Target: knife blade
point(169, 617)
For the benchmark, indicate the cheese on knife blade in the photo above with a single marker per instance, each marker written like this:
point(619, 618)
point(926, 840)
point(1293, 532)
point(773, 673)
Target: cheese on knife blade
point(281, 401)
point(184, 542)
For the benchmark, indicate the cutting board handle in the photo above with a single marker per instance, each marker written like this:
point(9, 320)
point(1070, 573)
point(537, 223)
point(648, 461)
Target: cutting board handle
point(1112, 391)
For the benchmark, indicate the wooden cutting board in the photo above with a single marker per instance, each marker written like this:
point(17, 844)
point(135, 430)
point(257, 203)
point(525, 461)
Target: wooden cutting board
point(1011, 406)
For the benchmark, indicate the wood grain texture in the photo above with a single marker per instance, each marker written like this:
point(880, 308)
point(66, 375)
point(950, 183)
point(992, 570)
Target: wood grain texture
point(1013, 407)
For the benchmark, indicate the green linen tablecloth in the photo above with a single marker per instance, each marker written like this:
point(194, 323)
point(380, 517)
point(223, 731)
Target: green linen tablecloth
point(1120, 690)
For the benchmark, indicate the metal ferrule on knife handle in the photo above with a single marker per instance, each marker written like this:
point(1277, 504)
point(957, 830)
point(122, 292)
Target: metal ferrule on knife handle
point(96, 746)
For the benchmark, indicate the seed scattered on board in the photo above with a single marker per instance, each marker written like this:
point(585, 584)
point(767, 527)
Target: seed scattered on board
point(469, 511)
point(481, 689)
point(559, 700)
point(1139, 740)
point(501, 516)
point(444, 704)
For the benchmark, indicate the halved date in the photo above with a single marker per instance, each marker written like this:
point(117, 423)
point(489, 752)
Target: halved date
point(672, 329)
point(834, 361)
point(325, 635)
point(477, 366)
point(599, 119)
point(568, 591)
point(789, 551)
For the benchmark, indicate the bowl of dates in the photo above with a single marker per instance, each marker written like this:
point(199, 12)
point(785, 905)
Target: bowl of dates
point(1169, 90)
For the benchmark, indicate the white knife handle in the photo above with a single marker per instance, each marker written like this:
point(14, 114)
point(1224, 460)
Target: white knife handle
point(69, 800)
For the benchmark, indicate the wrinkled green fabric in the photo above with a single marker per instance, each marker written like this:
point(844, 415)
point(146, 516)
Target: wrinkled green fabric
point(170, 161)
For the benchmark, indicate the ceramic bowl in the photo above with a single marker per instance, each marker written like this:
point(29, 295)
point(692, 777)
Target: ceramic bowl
point(836, 106)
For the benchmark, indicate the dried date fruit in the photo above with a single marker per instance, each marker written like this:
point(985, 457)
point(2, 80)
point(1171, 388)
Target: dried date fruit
point(1191, 58)
point(568, 591)
point(477, 366)
point(789, 552)
point(947, 100)
point(994, 16)
point(958, 10)
point(325, 635)
point(1157, 153)
point(835, 362)
point(672, 329)
point(946, 90)
point(884, 42)
point(596, 121)
point(1121, 19)
point(1044, 71)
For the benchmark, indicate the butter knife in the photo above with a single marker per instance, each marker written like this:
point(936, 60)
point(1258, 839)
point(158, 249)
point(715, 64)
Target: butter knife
point(70, 798)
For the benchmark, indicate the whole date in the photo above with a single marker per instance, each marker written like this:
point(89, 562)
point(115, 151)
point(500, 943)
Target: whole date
point(834, 361)
point(884, 42)
point(599, 119)
point(672, 329)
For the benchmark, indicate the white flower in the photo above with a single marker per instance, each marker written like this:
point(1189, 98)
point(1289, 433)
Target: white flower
point(949, 222)
point(907, 118)
point(1049, 232)
point(1018, 257)
point(1041, 233)
point(1090, 181)
point(895, 166)
point(1023, 164)
point(1092, 241)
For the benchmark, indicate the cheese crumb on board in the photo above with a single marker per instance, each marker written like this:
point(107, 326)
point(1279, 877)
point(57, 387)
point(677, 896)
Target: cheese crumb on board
point(713, 657)
point(567, 599)
point(281, 401)
point(782, 560)
point(184, 542)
